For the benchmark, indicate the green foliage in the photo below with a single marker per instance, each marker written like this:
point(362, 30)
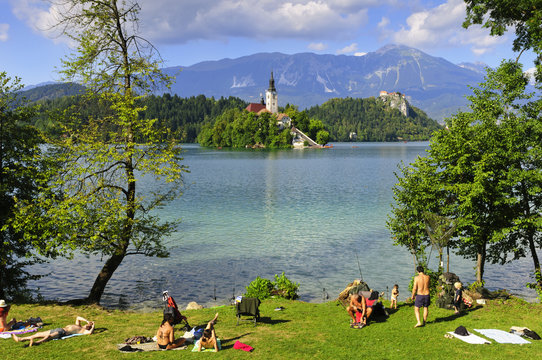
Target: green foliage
point(536, 284)
point(322, 137)
point(371, 120)
point(100, 208)
point(285, 287)
point(240, 128)
point(260, 288)
point(21, 176)
point(265, 288)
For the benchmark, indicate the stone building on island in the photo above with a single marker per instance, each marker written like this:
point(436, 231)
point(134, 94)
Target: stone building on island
point(395, 100)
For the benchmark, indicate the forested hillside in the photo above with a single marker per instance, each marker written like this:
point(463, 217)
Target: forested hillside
point(371, 120)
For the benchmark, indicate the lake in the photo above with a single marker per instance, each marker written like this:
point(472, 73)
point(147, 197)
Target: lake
point(248, 213)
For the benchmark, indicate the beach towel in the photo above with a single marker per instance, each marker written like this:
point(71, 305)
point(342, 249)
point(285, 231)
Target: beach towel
point(148, 346)
point(68, 336)
point(471, 338)
point(502, 337)
point(196, 344)
point(240, 346)
point(7, 334)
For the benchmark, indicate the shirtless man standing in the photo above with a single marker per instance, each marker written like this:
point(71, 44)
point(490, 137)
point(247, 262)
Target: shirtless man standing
point(420, 292)
point(358, 304)
point(58, 333)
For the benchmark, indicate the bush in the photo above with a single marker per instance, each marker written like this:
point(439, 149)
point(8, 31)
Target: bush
point(265, 288)
point(285, 288)
point(260, 288)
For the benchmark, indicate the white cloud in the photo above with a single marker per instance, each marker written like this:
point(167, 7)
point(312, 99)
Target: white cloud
point(360, 53)
point(442, 27)
point(530, 73)
point(348, 49)
point(259, 19)
point(4, 32)
point(178, 22)
point(317, 46)
point(384, 22)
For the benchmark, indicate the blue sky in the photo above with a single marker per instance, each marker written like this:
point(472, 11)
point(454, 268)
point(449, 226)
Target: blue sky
point(189, 31)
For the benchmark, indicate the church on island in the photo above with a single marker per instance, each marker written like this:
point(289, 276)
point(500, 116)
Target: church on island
point(271, 105)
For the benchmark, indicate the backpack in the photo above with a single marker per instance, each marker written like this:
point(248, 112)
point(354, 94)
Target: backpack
point(172, 309)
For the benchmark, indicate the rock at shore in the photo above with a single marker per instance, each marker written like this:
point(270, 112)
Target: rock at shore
point(194, 306)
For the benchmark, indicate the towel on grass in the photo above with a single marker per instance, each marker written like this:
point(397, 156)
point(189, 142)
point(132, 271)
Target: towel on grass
point(502, 337)
point(68, 336)
point(240, 346)
point(149, 346)
point(471, 338)
point(195, 348)
point(7, 334)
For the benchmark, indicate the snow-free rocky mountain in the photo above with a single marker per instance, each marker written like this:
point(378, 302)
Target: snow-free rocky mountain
point(433, 84)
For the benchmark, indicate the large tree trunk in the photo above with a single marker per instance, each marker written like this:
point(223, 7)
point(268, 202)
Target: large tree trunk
point(103, 277)
point(480, 262)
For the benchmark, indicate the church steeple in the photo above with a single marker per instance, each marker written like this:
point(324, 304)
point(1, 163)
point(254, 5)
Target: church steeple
point(271, 101)
point(272, 83)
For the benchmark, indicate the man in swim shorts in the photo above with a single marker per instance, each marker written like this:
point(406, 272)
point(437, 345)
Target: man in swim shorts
point(420, 295)
point(5, 325)
point(58, 333)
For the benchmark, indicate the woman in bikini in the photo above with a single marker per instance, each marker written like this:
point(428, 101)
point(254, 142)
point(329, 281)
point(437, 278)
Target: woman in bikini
point(208, 339)
point(166, 335)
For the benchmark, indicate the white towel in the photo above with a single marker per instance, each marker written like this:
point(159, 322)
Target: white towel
point(502, 337)
point(471, 338)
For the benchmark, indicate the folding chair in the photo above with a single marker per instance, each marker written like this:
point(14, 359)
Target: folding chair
point(248, 307)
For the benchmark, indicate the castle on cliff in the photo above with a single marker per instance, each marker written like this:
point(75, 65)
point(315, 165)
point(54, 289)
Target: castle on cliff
point(395, 100)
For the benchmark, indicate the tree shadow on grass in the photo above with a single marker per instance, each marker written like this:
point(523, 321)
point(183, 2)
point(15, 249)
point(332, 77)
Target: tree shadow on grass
point(454, 316)
point(268, 320)
point(225, 342)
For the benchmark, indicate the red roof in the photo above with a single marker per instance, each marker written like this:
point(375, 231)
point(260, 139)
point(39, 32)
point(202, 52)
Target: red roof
point(255, 107)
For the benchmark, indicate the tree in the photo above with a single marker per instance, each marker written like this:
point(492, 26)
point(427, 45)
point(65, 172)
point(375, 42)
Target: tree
point(20, 178)
point(524, 16)
point(102, 209)
point(440, 229)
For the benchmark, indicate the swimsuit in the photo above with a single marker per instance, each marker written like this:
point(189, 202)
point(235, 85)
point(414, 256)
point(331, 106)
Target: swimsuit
point(57, 333)
point(422, 301)
point(163, 346)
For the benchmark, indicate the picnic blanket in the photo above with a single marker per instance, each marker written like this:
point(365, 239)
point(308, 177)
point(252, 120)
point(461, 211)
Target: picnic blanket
point(502, 337)
point(149, 346)
point(471, 338)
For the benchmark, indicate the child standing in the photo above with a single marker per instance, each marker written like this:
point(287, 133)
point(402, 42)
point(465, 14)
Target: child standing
point(458, 296)
point(394, 295)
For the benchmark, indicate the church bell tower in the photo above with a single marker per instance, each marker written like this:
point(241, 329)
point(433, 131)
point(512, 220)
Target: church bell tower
point(271, 101)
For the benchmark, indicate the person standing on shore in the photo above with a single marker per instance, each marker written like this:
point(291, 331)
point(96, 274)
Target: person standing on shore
point(420, 295)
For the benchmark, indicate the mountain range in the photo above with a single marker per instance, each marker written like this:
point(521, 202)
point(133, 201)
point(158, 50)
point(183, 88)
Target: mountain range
point(432, 84)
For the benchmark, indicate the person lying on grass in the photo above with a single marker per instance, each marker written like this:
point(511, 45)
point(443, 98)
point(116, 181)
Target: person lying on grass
point(72, 329)
point(166, 334)
point(208, 339)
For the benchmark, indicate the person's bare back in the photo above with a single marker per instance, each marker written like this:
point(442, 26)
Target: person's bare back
point(421, 284)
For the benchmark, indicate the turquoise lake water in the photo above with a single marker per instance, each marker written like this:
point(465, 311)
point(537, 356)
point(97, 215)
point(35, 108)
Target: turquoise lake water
point(309, 213)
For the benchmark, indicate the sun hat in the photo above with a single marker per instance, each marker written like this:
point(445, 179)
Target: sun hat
point(3, 303)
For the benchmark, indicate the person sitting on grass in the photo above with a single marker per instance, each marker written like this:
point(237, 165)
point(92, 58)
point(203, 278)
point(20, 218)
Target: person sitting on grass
point(166, 334)
point(208, 340)
point(358, 304)
point(5, 325)
point(72, 329)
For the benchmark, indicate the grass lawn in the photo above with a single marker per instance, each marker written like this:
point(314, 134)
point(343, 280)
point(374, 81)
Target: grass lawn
point(301, 330)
